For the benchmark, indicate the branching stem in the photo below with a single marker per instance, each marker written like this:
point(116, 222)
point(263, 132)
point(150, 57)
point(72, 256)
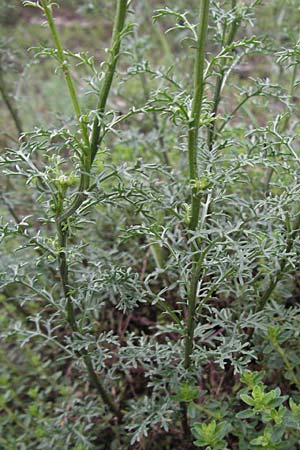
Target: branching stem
point(88, 156)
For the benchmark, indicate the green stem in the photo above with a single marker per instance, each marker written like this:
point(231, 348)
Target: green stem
point(220, 80)
point(71, 319)
point(109, 74)
point(144, 84)
point(89, 153)
point(103, 96)
point(287, 363)
point(190, 327)
point(193, 133)
point(160, 35)
point(65, 67)
point(64, 275)
point(9, 104)
point(280, 272)
point(285, 123)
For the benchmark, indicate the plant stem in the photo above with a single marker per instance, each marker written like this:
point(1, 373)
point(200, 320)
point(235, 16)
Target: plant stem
point(193, 133)
point(144, 84)
point(9, 104)
point(280, 272)
point(190, 327)
point(185, 422)
point(287, 363)
point(89, 153)
point(103, 96)
point(109, 74)
point(70, 315)
point(285, 123)
point(65, 67)
point(220, 81)
point(161, 37)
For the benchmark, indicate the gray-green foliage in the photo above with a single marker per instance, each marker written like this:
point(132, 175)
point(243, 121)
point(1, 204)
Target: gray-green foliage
point(147, 314)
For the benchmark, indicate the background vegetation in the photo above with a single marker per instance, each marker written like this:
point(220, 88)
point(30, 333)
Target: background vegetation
point(149, 225)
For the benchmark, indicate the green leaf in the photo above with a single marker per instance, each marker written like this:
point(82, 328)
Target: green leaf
point(246, 414)
point(187, 393)
point(247, 399)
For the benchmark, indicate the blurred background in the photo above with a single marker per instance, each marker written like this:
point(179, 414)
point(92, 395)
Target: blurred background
point(86, 26)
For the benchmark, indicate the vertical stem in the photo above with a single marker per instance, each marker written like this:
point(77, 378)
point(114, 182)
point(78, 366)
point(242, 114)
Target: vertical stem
point(285, 123)
point(280, 272)
point(88, 155)
point(287, 363)
point(220, 80)
point(71, 319)
point(64, 64)
point(109, 74)
point(103, 96)
point(9, 104)
point(64, 275)
point(193, 133)
point(190, 327)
